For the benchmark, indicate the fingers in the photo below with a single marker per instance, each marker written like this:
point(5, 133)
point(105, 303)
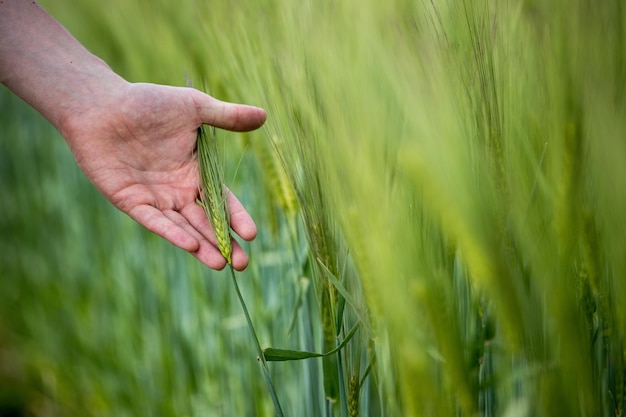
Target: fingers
point(240, 257)
point(197, 219)
point(209, 255)
point(190, 232)
point(230, 116)
point(154, 220)
point(240, 220)
point(176, 229)
point(207, 251)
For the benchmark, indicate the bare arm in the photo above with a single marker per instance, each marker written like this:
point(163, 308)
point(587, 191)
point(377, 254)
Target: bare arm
point(42, 63)
point(133, 141)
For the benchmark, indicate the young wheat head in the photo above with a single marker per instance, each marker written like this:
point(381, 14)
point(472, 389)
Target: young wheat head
point(213, 193)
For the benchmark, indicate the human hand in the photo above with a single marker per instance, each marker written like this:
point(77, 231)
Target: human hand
point(137, 148)
point(135, 142)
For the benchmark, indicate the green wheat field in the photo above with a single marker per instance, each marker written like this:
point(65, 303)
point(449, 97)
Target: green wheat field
point(440, 190)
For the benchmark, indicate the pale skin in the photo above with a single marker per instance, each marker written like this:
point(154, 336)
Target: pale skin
point(134, 141)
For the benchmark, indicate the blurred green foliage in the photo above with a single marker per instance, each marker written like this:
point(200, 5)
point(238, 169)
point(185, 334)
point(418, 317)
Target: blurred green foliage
point(100, 316)
point(459, 170)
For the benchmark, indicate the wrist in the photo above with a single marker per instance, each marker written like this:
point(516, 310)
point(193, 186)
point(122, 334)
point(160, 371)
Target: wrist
point(95, 89)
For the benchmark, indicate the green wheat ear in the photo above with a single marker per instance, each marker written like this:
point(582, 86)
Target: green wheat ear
point(213, 193)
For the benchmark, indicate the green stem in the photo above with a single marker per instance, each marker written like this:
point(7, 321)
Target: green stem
point(261, 357)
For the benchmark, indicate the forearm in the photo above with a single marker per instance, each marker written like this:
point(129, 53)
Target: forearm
point(47, 67)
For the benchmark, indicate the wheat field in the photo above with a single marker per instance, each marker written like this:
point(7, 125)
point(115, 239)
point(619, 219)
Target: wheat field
point(439, 190)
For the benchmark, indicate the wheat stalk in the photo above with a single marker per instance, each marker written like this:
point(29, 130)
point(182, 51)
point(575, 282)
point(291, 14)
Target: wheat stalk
point(213, 196)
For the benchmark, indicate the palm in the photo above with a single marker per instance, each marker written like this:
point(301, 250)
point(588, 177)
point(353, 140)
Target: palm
point(140, 155)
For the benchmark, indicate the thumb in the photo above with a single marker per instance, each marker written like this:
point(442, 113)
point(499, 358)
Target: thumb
point(229, 116)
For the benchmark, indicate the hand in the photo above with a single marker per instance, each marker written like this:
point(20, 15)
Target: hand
point(138, 150)
point(135, 142)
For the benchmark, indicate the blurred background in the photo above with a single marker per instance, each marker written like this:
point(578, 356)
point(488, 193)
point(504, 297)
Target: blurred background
point(445, 177)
